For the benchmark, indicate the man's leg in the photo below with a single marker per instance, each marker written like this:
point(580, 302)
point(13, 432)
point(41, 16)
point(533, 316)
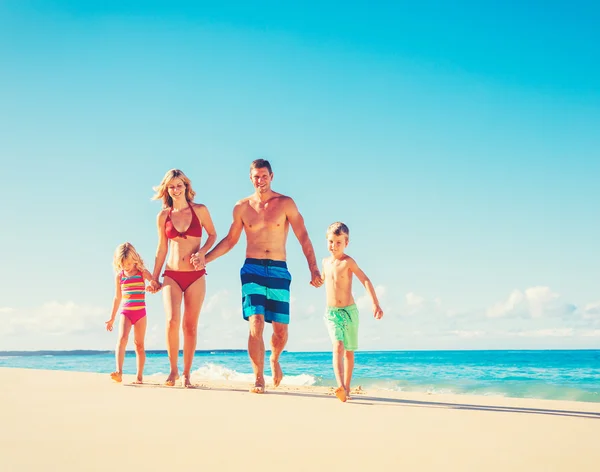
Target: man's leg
point(256, 351)
point(278, 342)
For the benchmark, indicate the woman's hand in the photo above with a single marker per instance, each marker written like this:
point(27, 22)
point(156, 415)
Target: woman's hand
point(197, 260)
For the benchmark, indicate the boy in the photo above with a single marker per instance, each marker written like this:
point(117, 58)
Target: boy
point(341, 316)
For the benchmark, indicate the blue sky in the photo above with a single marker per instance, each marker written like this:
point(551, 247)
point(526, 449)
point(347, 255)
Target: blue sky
point(459, 142)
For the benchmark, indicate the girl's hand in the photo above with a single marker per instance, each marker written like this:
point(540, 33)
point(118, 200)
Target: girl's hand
point(109, 324)
point(198, 261)
point(154, 286)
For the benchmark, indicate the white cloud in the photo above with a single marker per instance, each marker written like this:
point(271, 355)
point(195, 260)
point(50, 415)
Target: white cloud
point(468, 334)
point(533, 302)
point(364, 303)
point(414, 300)
point(545, 333)
point(6, 309)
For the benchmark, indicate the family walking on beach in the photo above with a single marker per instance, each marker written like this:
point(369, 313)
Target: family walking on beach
point(265, 217)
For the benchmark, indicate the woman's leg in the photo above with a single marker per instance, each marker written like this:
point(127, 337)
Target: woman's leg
point(193, 299)
point(172, 301)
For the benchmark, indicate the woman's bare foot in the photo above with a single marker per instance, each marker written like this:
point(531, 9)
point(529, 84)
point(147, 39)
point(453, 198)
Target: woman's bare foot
point(186, 382)
point(117, 376)
point(277, 372)
point(340, 392)
point(171, 379)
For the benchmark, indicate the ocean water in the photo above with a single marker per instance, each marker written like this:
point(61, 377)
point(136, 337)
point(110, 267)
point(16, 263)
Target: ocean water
point(548, 374)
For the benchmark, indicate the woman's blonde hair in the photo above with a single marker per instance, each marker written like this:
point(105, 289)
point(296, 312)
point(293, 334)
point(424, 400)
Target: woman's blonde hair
point(162, 193)
point(124, 252)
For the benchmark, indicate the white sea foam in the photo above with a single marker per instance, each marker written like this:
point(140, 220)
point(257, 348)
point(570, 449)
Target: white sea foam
point(218, 373)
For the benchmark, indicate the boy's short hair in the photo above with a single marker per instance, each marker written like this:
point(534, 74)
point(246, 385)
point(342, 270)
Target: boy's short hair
point(261, 164)
point(338, 228)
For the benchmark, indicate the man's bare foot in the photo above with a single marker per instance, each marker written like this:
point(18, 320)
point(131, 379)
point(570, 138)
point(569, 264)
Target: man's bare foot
point(340, 392)
point(186, 382)
point(117, 376)
point(277, 372)
point(259, 386)
point(171, 379)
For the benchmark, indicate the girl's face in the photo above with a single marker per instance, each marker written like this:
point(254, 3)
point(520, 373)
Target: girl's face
point(128, 265)
point(176, 188)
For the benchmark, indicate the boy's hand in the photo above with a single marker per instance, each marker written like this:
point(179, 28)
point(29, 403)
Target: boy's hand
point(109, 324)
point(377, 312)
point(316, 280)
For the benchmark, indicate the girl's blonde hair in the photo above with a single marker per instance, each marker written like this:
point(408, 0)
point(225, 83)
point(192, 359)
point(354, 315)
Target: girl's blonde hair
point(162, 193)
point(124, 252)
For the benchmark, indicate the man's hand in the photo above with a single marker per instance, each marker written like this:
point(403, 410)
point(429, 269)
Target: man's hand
point(377, 312)
point(316, 280)
point(198, 261)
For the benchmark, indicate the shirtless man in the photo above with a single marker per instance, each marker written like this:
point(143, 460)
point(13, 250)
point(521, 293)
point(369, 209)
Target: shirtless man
point(266, 217)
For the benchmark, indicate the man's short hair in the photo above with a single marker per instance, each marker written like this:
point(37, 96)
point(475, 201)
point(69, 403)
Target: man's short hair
point(338, 228)
point(261, 164)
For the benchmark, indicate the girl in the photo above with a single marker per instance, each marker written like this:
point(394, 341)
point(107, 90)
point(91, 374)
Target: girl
point(130, 288)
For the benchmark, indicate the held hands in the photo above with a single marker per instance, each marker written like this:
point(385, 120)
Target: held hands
point(377, 312)
point(316, 280)
point(198, 261)
point(154, 286)
point(109, 324)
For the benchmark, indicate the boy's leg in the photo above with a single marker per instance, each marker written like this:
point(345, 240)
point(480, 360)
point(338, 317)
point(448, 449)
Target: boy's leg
point(338, 369)
point(124, 329)
point(139, 334)
point(348, 368)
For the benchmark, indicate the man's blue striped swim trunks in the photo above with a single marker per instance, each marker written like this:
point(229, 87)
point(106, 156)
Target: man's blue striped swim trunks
point(266, 290)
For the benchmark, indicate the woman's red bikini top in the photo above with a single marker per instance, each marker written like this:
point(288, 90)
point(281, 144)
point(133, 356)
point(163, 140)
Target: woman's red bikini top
point(194, 229)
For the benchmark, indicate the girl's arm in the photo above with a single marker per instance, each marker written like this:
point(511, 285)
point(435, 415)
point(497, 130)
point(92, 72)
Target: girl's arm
point(116, 302)
point(360, 275)
point(162, 249)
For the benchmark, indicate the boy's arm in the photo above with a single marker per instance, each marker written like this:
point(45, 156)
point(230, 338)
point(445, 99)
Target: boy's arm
point(116, 302)
point(360, 275)
point(297, 223)
point(232, 238)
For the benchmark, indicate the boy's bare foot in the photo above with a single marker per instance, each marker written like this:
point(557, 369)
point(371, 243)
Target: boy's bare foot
point(171, 379)
point(277, 372)
point(117, 376)
point(186, 382)
point(340, 392)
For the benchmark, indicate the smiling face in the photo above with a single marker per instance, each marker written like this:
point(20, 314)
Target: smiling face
point(336, 244)
point(261, 179)
point(128, 264)
point(176, 189)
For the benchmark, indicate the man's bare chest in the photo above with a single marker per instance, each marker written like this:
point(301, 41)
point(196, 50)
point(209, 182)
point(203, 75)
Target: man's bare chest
point(269, 215)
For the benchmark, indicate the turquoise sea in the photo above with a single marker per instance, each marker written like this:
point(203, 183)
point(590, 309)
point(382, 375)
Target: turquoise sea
point(549, 374)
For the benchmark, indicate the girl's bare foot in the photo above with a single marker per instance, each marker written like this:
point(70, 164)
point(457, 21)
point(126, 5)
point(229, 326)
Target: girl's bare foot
point(117, 376)
point(340, 392)
point(138, 380)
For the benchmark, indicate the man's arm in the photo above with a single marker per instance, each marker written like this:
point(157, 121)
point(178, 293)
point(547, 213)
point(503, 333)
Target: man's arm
point(360, 275)
point(297, 223)
point(232, 238)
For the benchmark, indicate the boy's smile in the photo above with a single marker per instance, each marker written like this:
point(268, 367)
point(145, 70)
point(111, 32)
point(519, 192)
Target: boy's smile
point(337, 244)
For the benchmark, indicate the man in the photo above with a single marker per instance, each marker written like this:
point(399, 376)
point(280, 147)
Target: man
point(266, 217)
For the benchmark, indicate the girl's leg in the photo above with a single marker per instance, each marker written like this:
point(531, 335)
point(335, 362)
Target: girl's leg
point(348, 368)
point(338, 369)
point(124, 329)
point(193, 299)
point(172, 302)
point(139, 334)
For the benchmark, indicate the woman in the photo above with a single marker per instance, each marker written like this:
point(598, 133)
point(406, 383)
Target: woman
point(180, 226)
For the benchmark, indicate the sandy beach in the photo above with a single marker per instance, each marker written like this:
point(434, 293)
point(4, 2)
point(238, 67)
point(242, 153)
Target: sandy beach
point(55, 420)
